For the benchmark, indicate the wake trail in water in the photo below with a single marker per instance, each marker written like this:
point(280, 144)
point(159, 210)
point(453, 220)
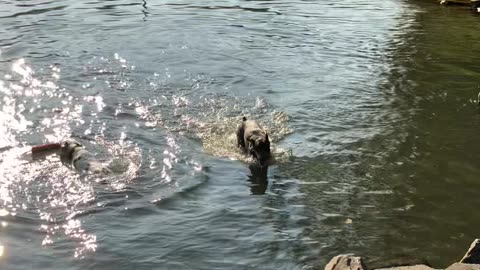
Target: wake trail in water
point(214, 121)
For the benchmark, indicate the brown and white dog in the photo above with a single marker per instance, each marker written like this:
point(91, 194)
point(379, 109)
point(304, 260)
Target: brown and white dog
point(253, 140)
point(73, 154)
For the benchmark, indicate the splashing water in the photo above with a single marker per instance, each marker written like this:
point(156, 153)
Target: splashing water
point(124, 161)
point(212, 122)
point(57, 194)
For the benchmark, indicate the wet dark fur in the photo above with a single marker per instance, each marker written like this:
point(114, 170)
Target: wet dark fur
point(253, 140)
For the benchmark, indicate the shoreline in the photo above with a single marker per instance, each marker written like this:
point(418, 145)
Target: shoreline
point(470, 261)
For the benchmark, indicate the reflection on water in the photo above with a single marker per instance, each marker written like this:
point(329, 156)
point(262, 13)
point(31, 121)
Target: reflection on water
point(44, 186)
point(52, 191)
point(258, 179)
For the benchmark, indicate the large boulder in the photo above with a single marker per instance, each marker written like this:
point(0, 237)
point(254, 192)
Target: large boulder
point(473, 254)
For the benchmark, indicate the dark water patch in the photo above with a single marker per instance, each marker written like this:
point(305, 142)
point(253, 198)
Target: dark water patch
point(34, 12)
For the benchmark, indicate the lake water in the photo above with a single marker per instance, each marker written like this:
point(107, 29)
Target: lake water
point(371, 107)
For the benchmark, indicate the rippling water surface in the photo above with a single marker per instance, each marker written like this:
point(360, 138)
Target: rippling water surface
point(370, 106)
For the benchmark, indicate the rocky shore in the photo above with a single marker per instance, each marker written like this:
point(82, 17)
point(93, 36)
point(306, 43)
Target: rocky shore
point(471, 261)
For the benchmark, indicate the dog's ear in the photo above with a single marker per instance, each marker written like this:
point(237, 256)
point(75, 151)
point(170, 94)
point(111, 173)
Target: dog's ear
point(266, 137)
point(71, 144)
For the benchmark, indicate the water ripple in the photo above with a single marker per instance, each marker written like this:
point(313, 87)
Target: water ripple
point(156, 90)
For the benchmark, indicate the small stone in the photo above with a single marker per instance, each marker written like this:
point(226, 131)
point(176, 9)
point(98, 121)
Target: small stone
point(345, 262)
point(473, 253)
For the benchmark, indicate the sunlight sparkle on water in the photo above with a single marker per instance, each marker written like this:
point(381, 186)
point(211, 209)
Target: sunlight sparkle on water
point(22, 69)
point(88, 241)
point(98, 100)
point(55, 72)
point(4, 213)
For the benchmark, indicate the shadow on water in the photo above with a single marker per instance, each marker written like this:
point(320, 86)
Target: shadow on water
point(435, 168)
point(145, 10)
point(119, 5)
point(235, 8)
point(35, 11)
point(415, 181)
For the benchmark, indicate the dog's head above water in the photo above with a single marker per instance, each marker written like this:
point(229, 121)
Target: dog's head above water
point(68, 151)
point(259, 147)
point(74, 155)
point(254, 141)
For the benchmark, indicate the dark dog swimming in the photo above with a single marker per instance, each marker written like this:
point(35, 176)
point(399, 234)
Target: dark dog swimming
point(253, 140)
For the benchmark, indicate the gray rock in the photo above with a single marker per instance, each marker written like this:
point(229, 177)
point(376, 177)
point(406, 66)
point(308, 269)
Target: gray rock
point(463, 266)
point(473, 253)
point(401, 260)
point(345, 262)
point(410, 267)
